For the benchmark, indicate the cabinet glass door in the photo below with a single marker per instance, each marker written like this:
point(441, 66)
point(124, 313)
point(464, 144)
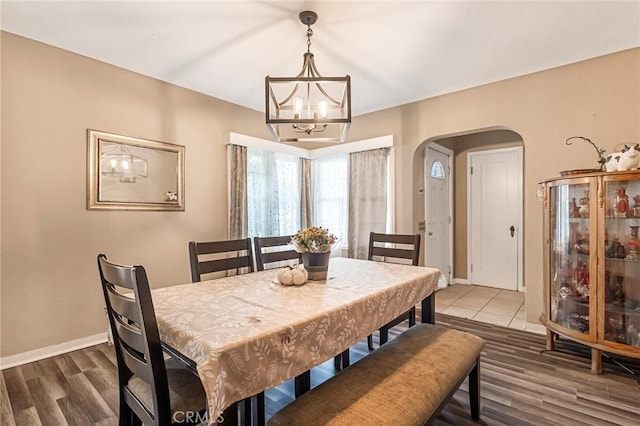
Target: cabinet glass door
point(622, 262)
point(570, 293)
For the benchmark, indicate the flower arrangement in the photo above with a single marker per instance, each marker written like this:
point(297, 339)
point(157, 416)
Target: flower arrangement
point(314, 239)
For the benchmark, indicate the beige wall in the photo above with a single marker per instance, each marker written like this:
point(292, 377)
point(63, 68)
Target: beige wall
point(598, 98)
point(50, 291)
point(50, 286)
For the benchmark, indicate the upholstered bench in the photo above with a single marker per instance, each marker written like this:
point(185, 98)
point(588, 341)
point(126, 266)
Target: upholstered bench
point(407, 381)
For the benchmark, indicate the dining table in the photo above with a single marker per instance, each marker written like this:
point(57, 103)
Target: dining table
point(247, 333)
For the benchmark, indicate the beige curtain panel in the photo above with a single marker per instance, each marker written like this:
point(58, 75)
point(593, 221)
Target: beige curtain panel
point(306, 193)
point(368, 175)
point(238, 214)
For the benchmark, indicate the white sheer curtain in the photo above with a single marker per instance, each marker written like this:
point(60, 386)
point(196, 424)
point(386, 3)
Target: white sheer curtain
point(331, 196)
point(368, 198)
point(273, 188)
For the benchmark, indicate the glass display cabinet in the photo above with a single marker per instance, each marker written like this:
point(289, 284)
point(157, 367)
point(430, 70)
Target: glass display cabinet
point(592, 262)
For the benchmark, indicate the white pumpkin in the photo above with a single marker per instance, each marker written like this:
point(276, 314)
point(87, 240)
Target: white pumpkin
point(300, 275)
point(293, 275)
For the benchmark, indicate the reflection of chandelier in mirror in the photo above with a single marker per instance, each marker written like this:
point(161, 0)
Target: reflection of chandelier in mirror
point(118, 161)
point(298, 108)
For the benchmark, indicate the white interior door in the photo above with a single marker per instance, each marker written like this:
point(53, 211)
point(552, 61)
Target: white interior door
point(494, 217)
point(438, 209)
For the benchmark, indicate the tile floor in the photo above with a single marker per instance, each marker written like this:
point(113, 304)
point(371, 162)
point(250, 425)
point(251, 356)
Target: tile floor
point(484, 304)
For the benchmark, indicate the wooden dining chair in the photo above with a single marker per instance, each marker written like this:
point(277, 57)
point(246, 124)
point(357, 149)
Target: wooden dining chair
point(275, 252)
point(152, 391)
point(219, 256)
point(394, 248)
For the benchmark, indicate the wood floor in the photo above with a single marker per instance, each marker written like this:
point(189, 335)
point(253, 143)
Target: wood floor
point(521, 385)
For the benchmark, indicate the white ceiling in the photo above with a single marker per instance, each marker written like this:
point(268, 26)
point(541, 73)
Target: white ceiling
point(395, 51)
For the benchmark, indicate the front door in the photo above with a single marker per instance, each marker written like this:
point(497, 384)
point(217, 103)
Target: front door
point(494, 217)
point(438, 209)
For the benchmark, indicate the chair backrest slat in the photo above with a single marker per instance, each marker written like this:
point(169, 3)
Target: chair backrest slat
point(132, 337)
point(279, 256)
point(208, 266)
point(395, 246)
point(232, 254)
point(270, 250)
point(135, 332)
point(124, 305)
point(138, 366)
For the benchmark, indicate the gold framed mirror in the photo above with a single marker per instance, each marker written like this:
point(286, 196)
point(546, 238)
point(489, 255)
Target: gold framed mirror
point(127, 173)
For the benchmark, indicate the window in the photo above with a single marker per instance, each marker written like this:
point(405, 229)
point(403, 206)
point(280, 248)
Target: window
point(437, 171)
point(331, 195)
point(274, 185)
point(273, 188)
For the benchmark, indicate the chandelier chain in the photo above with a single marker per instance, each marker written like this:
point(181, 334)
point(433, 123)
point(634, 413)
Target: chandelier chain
point(309, 34)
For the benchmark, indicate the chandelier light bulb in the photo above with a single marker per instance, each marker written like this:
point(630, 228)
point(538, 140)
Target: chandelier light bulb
point(114, 163)
point(323, 108)
point(297, 106)
point(125, 164)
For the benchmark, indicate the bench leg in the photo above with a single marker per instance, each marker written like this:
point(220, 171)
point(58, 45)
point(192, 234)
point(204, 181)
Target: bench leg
point(230, 415)
point(429, 309)
point(384, 335)
point(370, 342)
point(259, 415)
point(474, 390)
point(341, 361)
point(302, 383)
point(344, 359)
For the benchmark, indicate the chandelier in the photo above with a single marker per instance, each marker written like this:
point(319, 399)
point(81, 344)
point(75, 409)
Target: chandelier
point(117, 160)
point(308, 107)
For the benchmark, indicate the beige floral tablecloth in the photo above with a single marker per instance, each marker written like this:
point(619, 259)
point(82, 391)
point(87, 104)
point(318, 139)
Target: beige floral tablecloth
point(247, 333)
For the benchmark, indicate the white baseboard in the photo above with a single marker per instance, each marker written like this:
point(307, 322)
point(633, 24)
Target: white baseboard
point(53, 350)
point(460, 281)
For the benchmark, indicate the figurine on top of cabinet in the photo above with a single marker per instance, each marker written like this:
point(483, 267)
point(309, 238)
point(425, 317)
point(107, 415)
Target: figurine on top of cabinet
point(627, 159)
point(622, 203)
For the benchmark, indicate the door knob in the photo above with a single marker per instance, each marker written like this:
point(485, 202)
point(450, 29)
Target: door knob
point(512, 229)
point(430, 234)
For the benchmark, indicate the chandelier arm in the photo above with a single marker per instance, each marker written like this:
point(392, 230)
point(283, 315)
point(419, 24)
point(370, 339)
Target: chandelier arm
point(313, 70)
point(315, 73)
point(305, 67)
point(328, 96)
point(312, 129)
point(272, 95)
point(288, 98)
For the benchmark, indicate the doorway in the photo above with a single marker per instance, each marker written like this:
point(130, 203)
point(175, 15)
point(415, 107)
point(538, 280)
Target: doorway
point(438, 206)
point(495, 217)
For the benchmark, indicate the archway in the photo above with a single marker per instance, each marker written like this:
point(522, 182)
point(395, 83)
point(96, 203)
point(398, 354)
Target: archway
point(461, 144)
